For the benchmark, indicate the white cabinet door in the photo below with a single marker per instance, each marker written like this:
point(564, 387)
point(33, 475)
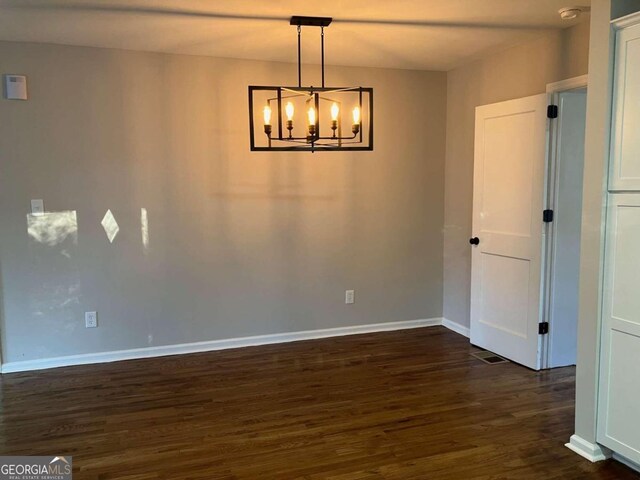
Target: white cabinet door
point(624, 173)
point(508, 192)
point(619, 402)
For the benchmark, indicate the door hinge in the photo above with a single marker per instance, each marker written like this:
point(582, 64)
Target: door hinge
point(547, 216)
point(543, 328)
point(552, 111)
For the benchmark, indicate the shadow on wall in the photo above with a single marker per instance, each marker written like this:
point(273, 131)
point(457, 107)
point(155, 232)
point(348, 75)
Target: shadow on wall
point(265, 222)
point(285, 218)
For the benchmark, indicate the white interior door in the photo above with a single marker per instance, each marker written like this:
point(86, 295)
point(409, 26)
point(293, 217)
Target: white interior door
point(508, 198)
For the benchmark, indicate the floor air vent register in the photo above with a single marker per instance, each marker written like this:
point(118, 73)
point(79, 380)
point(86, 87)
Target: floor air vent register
point(489, 357)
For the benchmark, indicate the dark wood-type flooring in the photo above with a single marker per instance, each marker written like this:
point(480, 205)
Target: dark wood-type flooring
point(411, 404)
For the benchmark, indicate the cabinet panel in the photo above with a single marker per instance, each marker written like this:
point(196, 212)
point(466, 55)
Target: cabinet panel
point(619, 415)
point(624, 173)
point(623, 419)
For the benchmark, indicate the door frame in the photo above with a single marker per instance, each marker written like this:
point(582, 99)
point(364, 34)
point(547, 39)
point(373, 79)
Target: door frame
point(530, 245)
point(550, 187)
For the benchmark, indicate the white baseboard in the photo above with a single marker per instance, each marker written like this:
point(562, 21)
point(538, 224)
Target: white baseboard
point(161, 351)
point(456, 327)
point(591, 451)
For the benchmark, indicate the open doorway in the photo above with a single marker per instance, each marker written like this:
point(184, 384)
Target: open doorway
point(528, 166)
point(564, 198)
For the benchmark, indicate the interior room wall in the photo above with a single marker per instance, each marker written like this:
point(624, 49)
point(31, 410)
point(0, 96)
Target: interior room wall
point(520, 71)
point(230, 243)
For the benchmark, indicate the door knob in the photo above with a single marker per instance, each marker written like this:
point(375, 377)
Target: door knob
point(474, 241)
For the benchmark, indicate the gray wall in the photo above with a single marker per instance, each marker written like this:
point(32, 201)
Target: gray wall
point(240, 243)
point(517, 72)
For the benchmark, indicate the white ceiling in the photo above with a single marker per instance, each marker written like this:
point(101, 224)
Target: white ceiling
point(414, 34)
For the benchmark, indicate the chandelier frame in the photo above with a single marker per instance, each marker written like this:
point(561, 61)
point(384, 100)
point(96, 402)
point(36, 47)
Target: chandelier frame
point(317, 137)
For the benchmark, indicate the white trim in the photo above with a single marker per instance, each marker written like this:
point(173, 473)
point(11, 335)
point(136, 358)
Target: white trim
point(568, 84)
point(591, 451)
point(456, 327)
point(160, 351)
point(626, 21)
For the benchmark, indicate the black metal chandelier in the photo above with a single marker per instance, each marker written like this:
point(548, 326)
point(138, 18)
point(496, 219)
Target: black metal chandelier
point(275, 107)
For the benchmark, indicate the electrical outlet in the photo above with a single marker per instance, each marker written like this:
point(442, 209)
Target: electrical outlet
point(91, 319)
point(37, 206)
point(349, 296)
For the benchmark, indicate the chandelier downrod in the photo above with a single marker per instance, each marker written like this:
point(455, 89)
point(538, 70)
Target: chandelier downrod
point(299, 58)
point(322, 52)
point(300, 22)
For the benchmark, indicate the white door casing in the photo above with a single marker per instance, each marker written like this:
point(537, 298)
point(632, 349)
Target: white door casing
point(508, 201)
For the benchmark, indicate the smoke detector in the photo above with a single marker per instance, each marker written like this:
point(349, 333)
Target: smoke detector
point(571, 13)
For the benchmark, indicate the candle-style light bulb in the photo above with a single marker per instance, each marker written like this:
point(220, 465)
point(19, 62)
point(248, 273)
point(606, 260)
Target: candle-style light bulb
point(289, 111)
point(355, 128)
point(356, 116)
point(267, 115)
point(335, 110)
point(267, 119)
point(312, 121)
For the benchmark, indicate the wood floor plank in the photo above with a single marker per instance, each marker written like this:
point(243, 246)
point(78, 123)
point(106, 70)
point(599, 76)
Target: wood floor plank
point(411, 404)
